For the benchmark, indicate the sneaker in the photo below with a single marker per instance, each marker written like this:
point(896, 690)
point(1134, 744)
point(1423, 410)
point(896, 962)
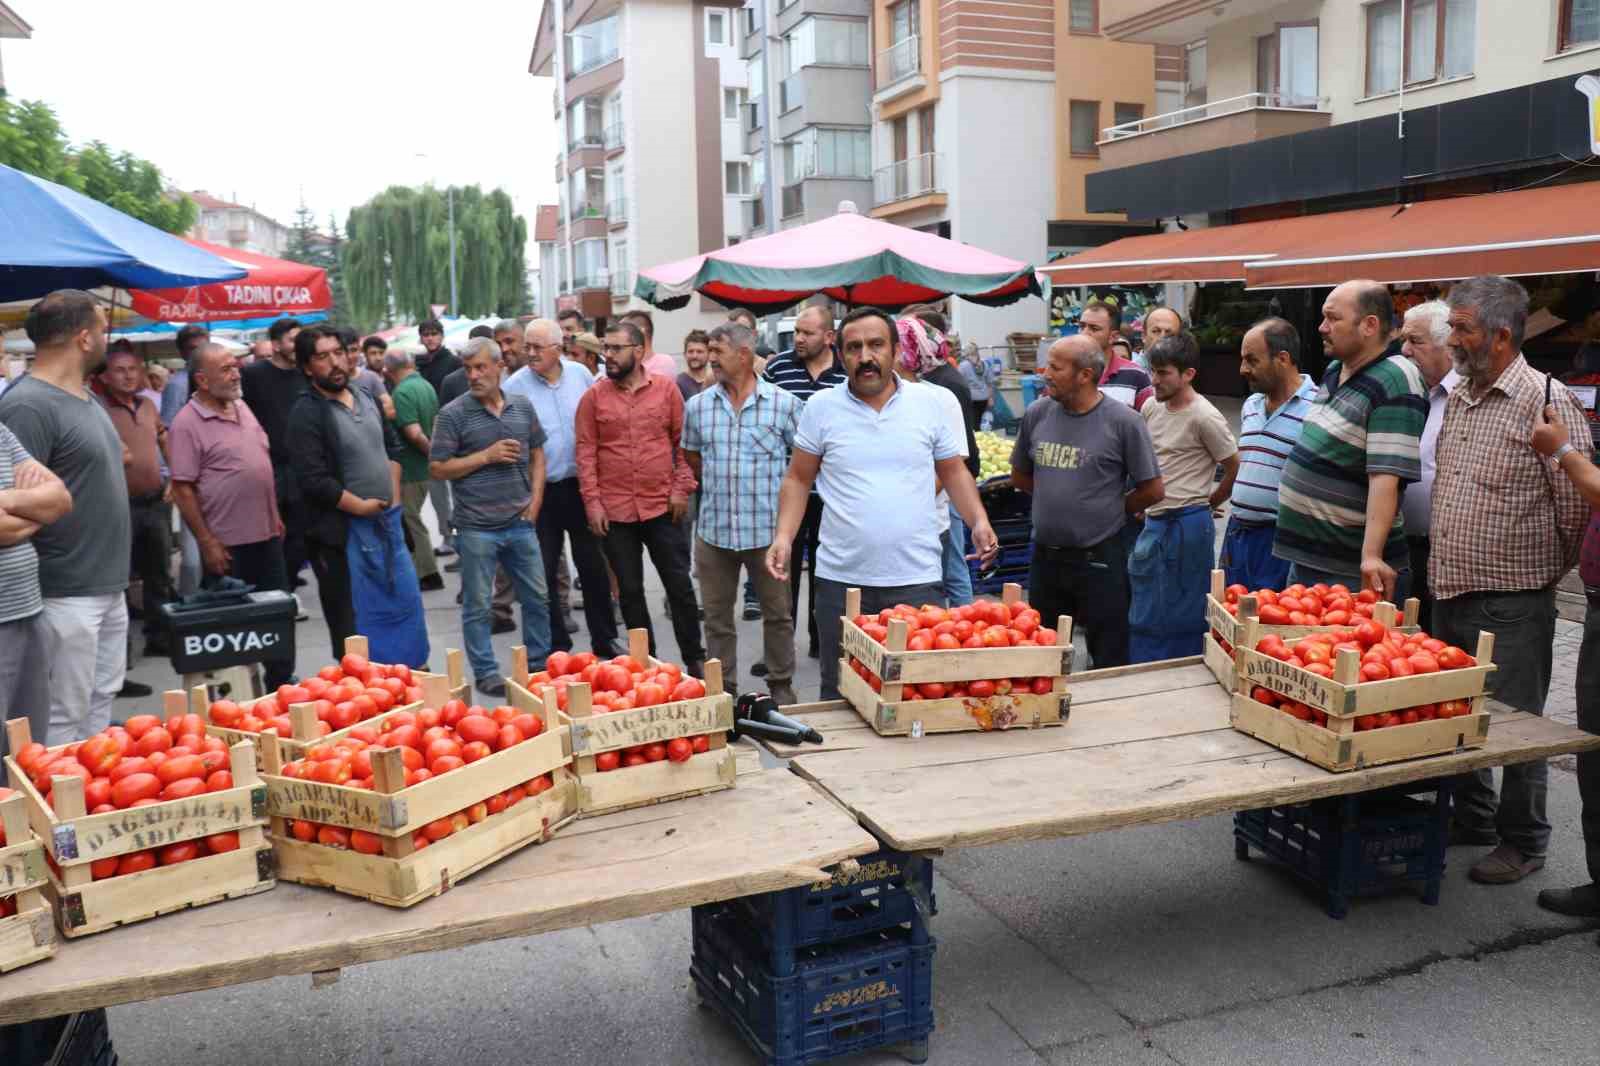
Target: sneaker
point(1505, 865)
point(134, 690)
point(431, 583)
point(502, 625)
point(752, 610)
point(493, 687)
point(1580, 902)
point(758, 670)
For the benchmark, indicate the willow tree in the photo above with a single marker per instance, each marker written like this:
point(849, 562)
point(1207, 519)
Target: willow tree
point(396, 254)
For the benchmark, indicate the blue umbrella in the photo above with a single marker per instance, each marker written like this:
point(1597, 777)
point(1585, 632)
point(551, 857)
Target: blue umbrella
point(53, 238)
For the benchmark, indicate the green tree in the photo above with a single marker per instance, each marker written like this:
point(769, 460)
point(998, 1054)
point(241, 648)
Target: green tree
point(396, 254)
point(32, 140)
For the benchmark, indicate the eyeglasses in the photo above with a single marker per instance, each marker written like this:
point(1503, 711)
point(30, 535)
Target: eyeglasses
point(614, 349)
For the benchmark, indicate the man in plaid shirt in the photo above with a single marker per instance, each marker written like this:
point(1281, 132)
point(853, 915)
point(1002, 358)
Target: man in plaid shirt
point(1506, 526)
point(736, 438)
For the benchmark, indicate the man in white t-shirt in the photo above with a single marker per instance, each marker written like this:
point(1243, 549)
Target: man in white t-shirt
point(877, 451)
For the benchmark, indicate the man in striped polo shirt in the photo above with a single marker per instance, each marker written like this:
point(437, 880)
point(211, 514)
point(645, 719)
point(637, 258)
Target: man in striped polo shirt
point(1339, 501)
point(1269, 428)
point(489, 445)
point(1122, 380)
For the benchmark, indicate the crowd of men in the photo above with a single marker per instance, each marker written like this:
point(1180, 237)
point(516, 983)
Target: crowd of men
point(1429, 459)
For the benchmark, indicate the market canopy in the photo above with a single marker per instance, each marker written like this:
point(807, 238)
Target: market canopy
point(54, 238)
point(1218, 253)
point(853, 259)
point(270, 288)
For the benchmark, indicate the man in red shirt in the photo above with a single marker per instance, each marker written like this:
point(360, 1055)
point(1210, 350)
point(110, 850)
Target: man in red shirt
point(636, 484)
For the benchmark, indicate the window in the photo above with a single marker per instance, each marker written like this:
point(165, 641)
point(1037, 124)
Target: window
point(1194, 63)
point(1580, 23)
point(827, 153)
point(616, 210)
point(1085, 127)
point(588, 260)
point(1286, 65)
point(592, 44)
point(613, 112)
point(736, 179)
point(1122, 114)
point(756, 77)
point(1420, 41)
point(732, 101)
point(902, 21)
point(587, 191)
point(584, 122)
point(925, 129)
point(1084, 16)
point(716, 26)
point(829, 42)
point(620, 282)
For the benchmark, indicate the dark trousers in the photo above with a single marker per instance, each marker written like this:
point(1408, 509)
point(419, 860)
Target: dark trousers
point(261, 565)
point(1524, 628)
point(292, 510)
point(1589, 722)
point(332, 567)
point(804, 551)
point(668, 545)
point(830, 609)
point(1090, 585)
point(151, 519)
point(562, 515)
point(1421, 548)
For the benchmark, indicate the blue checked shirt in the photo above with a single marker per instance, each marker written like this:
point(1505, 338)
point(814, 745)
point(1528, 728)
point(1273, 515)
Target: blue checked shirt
point(743, 456)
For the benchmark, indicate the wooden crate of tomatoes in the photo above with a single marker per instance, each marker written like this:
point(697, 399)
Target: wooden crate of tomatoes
point(1290, 614)
point(400, 808)
point(142, 819)
point(1362, 696)
point(987, 665)
point(27, 933)
point(642, 731)
point(328, 705)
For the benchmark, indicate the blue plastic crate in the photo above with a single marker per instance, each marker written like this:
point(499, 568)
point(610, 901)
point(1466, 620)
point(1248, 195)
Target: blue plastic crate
point(869, 992)
point(1354, 845)
point(1014, 559)
point(995, 583)
point(883, 893)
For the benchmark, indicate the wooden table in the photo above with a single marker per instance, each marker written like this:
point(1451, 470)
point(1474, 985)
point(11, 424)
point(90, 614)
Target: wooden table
point(1143, 744)
point(773, 831)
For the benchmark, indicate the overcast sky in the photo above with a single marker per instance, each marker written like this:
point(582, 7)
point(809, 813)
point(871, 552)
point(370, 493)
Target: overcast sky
point(329, 99)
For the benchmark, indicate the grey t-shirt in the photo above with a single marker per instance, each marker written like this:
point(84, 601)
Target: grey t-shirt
point(492, 496)
point(19, 564)
point(85, 553)
point(363, 459)
point(370, 383)
point(1081, 466)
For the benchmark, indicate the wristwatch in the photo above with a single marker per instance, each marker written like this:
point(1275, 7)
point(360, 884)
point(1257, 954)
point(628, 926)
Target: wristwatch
point(1561, 452)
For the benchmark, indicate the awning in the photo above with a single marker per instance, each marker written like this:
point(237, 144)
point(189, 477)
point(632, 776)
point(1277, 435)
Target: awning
point(1547, 230)
point(1218, 253)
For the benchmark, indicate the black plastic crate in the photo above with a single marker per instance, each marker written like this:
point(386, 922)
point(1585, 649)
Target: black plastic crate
point(886, 891)
point(1354, 845)
point(995, 583)
point(82, 1039)
point(868, 992)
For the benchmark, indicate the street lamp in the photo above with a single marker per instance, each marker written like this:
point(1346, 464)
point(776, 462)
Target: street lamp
point(450, 207)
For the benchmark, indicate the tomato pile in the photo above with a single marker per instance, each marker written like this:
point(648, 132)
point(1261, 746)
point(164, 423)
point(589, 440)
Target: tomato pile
point(1385, 654)
point(984, 624)
point(1300, 605)
point(349, 691)
point(359, 840)
point(141, 762)
point(940, 690)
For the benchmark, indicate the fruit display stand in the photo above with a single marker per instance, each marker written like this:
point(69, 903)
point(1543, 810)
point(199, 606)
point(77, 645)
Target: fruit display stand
point(75, 839)
point(594, 734)
point(437, 690)
point(1342, 744)
point(403, 874)
point(28, 935)
point(1225, 628)
point(889, 715)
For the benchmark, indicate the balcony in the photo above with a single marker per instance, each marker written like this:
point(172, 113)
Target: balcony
point(755, 213)
point(792, 200)
point(613, 137)
point(1215, 124)
point(594, 61)
point(898, 65)
point(617, 212)
point(622, 284)
point(591, 279)
point(907, 179)
point(584, 140)
point(585, 209)
point(1163, 22)
point(791, 92)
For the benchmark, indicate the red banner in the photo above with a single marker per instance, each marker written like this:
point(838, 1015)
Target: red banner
point(273, 287)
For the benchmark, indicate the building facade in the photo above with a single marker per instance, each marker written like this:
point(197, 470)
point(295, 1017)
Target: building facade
point(983, 129)
point(652, 168)
point(11, 25)
point(237, 226)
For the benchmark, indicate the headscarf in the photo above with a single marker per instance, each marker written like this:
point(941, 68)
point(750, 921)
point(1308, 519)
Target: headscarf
point(922, 348)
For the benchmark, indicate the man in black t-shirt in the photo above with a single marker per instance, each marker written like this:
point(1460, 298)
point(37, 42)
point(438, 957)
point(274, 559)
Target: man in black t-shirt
point(270, 389)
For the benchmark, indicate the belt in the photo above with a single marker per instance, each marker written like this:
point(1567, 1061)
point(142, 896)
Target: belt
point(1063, 552)
point(149, 498)
point(1244, 523)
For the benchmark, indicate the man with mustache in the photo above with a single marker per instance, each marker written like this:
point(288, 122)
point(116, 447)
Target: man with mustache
point(877, 450)
point(1505, 528)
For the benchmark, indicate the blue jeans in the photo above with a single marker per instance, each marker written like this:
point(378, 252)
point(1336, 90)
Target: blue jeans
point(1169, 574)
point(516, 548)
point(1247, 557)
point(957, 576)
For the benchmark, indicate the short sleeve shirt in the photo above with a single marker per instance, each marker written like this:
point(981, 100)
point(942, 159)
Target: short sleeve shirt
point(415, 404)
point(743, 456)
point(1370, 424)
point(1265, 441)
point(1189, 443)
point(1081, 465)
point(19, 564)
point(880, 521)
point(229, 462)
point(493, 496)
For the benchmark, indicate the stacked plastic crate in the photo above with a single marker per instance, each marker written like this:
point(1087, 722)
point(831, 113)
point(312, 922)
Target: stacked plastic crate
point(1011, 514)
point(835, 968)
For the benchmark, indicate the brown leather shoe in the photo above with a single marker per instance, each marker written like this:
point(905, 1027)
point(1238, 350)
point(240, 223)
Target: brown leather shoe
point(1580, 902)
point(1505, 865)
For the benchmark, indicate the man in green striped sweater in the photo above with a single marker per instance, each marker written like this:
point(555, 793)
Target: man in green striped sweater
point(1339, 503)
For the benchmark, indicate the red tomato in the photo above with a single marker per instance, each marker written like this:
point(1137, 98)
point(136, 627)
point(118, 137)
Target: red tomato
point(701, 743)
point(183, 851)
point(136, 862)
point(509, 737)
point(134, 787)
point(690, 688)
point(633, 759)
point(932, 690)
point(679, 749)
point(528, 725)
point(217, 843)
point(183, 788)
point(407, 736)
point(607, 760)
point(96, 793)
point(129, 766)
point(366, 843)
point(219, 781)
point(381, 698)
point(140, 724)
point(155, 738)
point(100, 869)
point(331, 771)
point(182, 766)
point(981, 690)
point(1375, 671)
point(1423, 662)
point(475, 750)
point(438, 829)
point(441, 747)
point(334, 836)
point(354, 664)
point(444, 764)
point(477, 727)
point(452, 712)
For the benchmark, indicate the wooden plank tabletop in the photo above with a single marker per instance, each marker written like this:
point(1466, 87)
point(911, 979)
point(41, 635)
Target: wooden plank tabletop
point(1142, 745)
point(772, 831)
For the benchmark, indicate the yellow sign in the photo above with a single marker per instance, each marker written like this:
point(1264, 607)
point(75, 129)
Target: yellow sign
point(1589, 86)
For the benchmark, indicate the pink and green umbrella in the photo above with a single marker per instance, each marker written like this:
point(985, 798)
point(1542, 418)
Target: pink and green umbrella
point(854, 259)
